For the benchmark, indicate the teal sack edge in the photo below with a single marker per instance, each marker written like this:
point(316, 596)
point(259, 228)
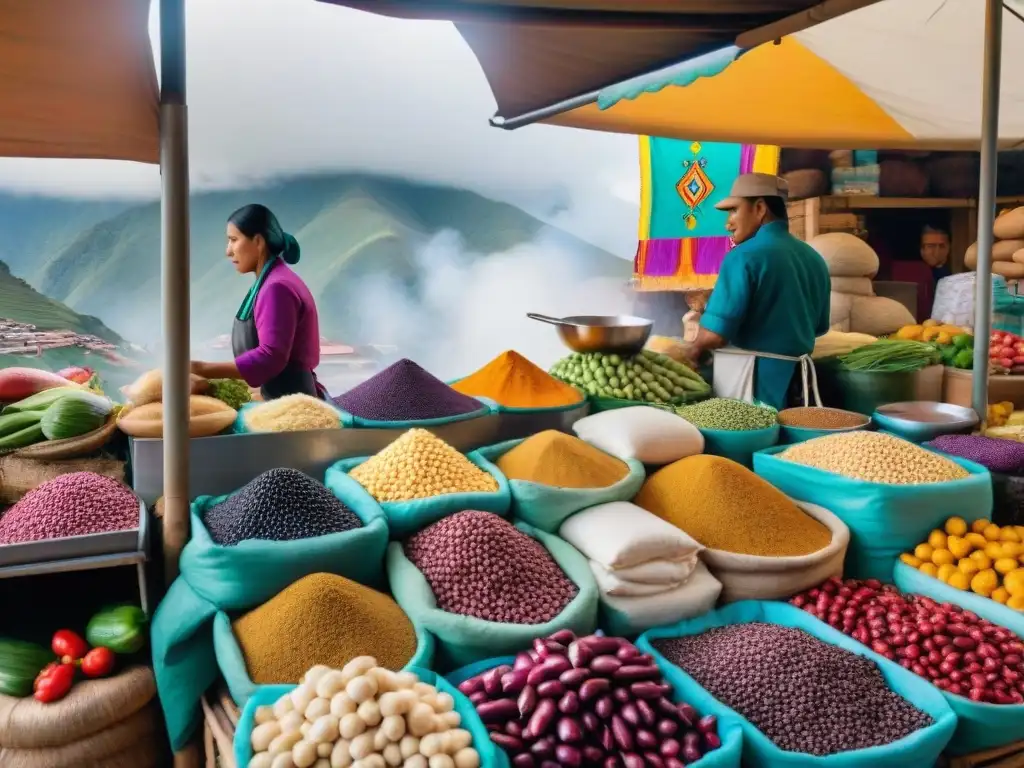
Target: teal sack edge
point(407, 517)
point(486, 409)
point(240, 428)
point(236, 578)
point(884, 520)
point(921, 748)
point(490, 755)
point(729, 731)
point(546, 507)
point(980, 726)
point(464, 639)
point(739, 445)
point(232, 666)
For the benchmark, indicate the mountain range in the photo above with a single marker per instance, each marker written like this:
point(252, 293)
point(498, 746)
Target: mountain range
point(102, 259)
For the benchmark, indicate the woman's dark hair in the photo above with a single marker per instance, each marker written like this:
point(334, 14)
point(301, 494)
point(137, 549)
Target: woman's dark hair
point(255, 219)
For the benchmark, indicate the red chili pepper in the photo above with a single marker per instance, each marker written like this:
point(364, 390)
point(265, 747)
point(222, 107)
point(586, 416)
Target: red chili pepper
point(68, 645)
point(99, 662)
point(46, 672)
point(55, 685)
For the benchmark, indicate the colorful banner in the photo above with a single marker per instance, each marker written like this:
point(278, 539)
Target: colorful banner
point(682, 235)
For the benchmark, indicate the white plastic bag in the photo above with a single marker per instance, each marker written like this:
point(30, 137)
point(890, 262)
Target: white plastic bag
point(640, 432)
point(750, 577)
point(629, 616)
point(620, 534)
point(612, 583)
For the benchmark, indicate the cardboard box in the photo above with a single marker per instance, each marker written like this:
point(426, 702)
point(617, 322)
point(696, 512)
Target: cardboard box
point(957, 383)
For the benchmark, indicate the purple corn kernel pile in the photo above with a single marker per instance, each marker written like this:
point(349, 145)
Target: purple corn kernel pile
point(405, 392)
point(1004, 456)
point(478, 564)
point(589, 701)
point(75, 504)
point(802, 693)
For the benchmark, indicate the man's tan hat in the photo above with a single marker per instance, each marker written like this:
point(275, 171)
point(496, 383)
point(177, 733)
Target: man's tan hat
point(754, 185)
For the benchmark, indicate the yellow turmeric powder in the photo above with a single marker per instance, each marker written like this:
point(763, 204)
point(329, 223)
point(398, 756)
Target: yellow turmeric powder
point(513, 381)
point(561, 461)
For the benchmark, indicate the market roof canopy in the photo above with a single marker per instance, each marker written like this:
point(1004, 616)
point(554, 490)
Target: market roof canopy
point(539, 52)
point(895, 75)
point(77, 80)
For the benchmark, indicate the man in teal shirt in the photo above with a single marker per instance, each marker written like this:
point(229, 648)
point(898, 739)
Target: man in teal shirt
point(772, 292)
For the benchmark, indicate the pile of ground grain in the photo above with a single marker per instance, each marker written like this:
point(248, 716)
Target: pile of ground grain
point(514, 382)
point(279, 505)
point(322, 619)
point(562, 461)
point(405, 392)
point(292, 413)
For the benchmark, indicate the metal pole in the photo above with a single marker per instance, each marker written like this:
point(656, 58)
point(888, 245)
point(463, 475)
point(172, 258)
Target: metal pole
point(987, 202)
point(175, 278)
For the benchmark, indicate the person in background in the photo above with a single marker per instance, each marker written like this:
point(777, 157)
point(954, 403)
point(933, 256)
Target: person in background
point(935, 247)
point(772, 296)
point(275, 338)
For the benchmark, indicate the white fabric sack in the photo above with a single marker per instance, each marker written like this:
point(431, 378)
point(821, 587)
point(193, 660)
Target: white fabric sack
point(649, 435)
point(611, 583)
point(695, 597)
point(954, 300)
point(751, 577)
point(658, 571)
point(620, 534)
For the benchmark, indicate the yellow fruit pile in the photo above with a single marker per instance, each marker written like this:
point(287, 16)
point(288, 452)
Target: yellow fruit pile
point(999, 414)
point(930, 330)
point(986, 559)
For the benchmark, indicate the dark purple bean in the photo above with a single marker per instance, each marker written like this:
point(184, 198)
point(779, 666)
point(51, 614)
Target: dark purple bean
point(568, 731)
point(513, 682)
point(630, 714)
point(591, 723)
point(514, 728)
point(605, 665)
point(567, 756)
point(667, 727)
point(687, 714)
point(633, 673)
point(569, 704)
point(691, 754)
point(563, 636)
point(646, 690)
point(611, 762)
point(593, 688)
point(498, 710)
point(672, 762)
point(646, 740)
point(550, 764)
point(545, 648)
point(623, 736)
point(543, 747)
point(542, 718)
point(523, 661)
point(632, 760)
point(495, 727)
point(593, 755)
point(708, 724)
point(642, 660)
point(551, 668)
point(472, 685)
point(573, 678)
point(550, 689)
point(654, 760)
point(712, 741)
point(534, 656)
point(510, 743)
point(478, 698)
point(579, 654)
point(492, 680)
point(646, 713)
point(670, 748)
point(598, 644)
point(627, 651)
point(607, 739)
point(668, 707)
point(622, 696)
point(527, 701)
point(691, 739)
point(604, 707)
point(524, 760)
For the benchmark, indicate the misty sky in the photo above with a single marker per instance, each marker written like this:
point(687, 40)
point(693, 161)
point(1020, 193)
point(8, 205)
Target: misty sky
point(284, 86)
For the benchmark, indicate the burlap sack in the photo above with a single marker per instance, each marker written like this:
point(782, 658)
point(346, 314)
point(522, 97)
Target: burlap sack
point(1008, 269)
point(1010, 225)
point(136, 742)
point(89, 708)
point(846, 255)
point(807, 182)
point(954, 174)
point(1002, 250)
point(797, 159)
point(902, 178)
point(18, 476)
point(858, 286)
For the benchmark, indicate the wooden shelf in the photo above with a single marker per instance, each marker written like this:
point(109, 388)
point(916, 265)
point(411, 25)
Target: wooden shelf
point(833, 203)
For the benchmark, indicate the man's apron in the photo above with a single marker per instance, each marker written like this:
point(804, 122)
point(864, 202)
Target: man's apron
point(294, 379)
point(734, 371)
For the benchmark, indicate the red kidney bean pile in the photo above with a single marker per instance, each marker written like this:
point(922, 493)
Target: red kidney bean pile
point(478, 564)
point(74, 504)
point(802, 693)
point(590, 701)
point(954, 649)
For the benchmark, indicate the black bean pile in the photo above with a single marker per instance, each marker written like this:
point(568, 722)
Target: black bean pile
point(802, 693)
point(279, 505)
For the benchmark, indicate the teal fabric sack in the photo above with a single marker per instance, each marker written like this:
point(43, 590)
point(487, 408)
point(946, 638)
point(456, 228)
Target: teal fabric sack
point(216, 578)
point(486, 408)
point(884, 520)
point(547, 507)
point(729, 731)
point(231, 662)
point(980, 726)
point(465, 639)
point(407, 517)
point(739, 445)
point(239, 428)
point(921, 748)
point(490, 755)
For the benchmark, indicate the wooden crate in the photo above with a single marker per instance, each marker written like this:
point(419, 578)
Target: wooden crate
point(1010, 756)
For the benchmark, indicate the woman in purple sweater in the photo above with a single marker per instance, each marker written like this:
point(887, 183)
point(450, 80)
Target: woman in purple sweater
point(276, 334)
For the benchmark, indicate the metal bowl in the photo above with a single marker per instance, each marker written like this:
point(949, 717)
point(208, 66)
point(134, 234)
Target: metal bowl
point(621, 334)
point(921, 420)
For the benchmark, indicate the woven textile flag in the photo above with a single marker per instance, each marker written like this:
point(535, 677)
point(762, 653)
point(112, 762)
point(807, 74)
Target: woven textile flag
point(682, 235)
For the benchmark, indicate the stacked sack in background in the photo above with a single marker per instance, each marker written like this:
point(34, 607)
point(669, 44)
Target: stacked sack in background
point(1008, 250)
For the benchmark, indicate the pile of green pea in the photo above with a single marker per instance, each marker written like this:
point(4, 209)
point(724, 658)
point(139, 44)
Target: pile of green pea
point(727, 414)
point(647, 377)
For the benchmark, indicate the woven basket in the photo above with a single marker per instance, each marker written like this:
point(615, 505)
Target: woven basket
point(71, 447)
